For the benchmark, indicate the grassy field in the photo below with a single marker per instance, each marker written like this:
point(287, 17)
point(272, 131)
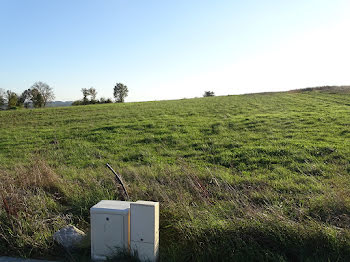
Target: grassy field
point(261, 177)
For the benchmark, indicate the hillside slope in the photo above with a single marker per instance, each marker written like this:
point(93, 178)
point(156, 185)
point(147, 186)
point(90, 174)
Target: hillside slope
point(260, 177)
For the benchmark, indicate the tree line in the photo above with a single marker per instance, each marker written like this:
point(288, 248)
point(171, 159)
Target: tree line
point(120, 92)
point(38, 95)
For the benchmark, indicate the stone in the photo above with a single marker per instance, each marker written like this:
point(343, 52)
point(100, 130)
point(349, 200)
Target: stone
point(69, 237)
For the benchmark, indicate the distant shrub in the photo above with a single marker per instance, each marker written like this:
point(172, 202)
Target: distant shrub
point(92, 102)
point(105, 101)
point(208, 94)
point(92, 93)
point(333, 89)
point(77, 103)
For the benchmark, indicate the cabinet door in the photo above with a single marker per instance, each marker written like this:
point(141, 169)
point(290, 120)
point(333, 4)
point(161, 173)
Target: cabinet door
point(142, 223)
point(145, 251)
point(108, 233)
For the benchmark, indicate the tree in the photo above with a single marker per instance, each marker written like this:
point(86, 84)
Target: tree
point(2, 98)
point(120, 92)
point(24, 98)
point(208, 94)
point(92, 93)
point(11, 98)
point(37, 98)
point(89, 92)
point(46, 92)
point(85, 92)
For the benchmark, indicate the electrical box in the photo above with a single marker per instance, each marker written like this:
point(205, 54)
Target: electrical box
point(144, 221)
point(110, 228)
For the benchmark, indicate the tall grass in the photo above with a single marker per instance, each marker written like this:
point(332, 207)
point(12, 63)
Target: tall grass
point(240, 178)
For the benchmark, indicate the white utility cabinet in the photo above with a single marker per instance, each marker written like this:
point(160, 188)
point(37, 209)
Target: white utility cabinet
point(144, 221)
point(110, 228)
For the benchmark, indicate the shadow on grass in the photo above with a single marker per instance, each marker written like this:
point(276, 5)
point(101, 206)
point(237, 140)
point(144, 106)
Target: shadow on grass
point(260, 242)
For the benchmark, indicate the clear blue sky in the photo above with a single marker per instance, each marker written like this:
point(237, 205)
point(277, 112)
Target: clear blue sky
point(173, 49)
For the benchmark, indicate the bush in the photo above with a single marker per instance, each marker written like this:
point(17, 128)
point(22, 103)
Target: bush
point(92, 102)
point(208, 94)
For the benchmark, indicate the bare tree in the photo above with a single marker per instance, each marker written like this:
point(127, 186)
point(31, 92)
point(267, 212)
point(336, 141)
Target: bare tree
point(46, 92)
point(120, 92)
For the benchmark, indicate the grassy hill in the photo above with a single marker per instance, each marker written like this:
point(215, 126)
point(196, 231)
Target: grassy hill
point(261, 177)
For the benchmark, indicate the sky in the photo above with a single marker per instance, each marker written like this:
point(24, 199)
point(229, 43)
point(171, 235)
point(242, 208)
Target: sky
point(164, 49)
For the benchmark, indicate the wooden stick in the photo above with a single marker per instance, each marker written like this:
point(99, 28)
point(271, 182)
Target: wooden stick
point(119, 180)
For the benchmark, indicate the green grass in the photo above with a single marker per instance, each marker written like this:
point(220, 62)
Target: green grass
point(261, 177)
